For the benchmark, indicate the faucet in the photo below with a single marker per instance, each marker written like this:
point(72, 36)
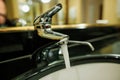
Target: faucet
point(43, 23)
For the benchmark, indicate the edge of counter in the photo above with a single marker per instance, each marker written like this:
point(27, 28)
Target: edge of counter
point(31, 28)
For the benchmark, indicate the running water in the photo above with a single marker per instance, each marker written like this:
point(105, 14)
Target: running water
point(64, 49)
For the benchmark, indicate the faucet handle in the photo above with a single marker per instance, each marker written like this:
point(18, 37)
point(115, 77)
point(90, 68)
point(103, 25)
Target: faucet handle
point(43, 24)
point(46, 18)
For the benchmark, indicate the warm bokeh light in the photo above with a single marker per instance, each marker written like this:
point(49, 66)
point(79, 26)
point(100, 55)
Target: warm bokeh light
point(45, 1)
point(25, 8)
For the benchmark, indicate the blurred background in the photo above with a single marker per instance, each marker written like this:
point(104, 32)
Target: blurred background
point(20, 44)
point(23, 12)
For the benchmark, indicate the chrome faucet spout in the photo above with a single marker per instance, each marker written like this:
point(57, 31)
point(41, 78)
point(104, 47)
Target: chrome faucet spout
point(83, 43)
